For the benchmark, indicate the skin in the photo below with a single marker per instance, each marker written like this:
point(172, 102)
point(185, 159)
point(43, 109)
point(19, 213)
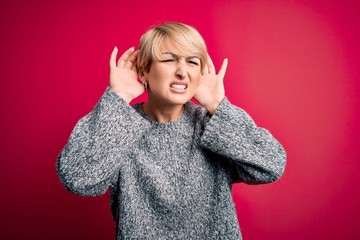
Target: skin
point(165, 100)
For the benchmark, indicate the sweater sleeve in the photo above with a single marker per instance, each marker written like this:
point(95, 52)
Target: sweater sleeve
point(97, 145)
point(254, 154)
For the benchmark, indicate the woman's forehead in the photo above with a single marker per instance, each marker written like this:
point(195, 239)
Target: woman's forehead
point(171, 48)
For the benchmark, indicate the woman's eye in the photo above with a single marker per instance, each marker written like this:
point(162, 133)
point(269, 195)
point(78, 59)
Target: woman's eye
point(168, 60)
point(194, 63)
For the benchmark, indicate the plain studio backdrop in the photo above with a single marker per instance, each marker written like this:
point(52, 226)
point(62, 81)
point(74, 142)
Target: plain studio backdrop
point(293, 66)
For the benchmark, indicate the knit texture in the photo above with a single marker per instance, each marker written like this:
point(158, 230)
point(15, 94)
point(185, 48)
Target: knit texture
point(169, 180)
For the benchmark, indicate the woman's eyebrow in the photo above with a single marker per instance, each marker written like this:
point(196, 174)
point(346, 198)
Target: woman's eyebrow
point(177, 56)
point(170, 53)
point(194, 57)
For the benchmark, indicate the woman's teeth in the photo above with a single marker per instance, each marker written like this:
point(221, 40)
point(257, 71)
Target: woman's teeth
point(178, 86)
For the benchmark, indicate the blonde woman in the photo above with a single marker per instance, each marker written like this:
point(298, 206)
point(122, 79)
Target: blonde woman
point(170, 164)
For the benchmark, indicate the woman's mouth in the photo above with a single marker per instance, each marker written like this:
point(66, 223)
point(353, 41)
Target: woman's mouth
point(178, 87)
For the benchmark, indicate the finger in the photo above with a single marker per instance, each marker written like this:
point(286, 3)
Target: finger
point(125, 56)
point(210, 65)
point(205, 69)
point(131, 60)
point(134, 68)
point(222, 71)
point(113, 57)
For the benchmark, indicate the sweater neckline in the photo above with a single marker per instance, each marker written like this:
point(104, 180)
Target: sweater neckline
point(179, 120)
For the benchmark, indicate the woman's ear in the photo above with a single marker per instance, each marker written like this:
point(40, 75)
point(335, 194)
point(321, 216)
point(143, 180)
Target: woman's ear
point(143, 80)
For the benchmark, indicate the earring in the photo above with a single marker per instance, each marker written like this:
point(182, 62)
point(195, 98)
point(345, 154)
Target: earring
point(146, 86)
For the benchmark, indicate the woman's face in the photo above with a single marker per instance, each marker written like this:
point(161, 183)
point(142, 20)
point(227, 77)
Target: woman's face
point(173, 78)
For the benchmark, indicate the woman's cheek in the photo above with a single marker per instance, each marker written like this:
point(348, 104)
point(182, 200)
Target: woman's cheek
point(194, 88)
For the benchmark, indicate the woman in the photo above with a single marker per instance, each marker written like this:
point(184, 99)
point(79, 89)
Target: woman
point(169, 163)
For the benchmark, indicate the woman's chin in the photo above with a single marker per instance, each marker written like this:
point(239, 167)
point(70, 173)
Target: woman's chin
point(173, 99)
point(178, 100)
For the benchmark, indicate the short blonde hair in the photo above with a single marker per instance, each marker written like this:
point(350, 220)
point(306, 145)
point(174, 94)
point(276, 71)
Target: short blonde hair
point(185, 38)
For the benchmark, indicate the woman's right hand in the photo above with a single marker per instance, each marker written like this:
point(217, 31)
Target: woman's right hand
point(123, 75)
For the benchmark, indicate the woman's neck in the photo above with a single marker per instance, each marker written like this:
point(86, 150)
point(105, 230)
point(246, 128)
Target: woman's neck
point(162, 112)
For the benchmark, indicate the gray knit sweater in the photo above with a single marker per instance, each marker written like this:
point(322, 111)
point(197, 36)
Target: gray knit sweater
point(169, 180)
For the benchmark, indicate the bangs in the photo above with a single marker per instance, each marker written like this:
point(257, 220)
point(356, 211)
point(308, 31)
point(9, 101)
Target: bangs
point(178, 47)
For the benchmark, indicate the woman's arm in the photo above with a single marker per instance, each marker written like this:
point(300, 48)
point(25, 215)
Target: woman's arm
point(97, 145)
point(101, 139)
point(256, 155)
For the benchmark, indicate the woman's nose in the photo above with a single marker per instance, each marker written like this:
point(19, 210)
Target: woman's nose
point(181, 70)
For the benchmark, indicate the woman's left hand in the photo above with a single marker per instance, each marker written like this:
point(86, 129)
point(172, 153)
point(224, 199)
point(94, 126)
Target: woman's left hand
point(211, 90)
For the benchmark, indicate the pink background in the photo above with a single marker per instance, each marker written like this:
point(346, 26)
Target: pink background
point(293, 65)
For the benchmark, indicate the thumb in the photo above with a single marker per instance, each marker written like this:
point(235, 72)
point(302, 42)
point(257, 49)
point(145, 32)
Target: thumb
point(113, 57)
point(222, 70)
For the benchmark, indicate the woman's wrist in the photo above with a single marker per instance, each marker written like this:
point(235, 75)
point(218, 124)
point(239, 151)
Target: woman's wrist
point(211, 108)
point(122, 95)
